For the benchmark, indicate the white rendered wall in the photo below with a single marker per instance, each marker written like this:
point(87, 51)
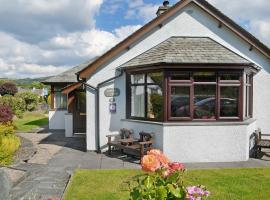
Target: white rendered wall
point(138, 127)
point(222, 143)
point(57, 119)
point(191, 21)
point(68, 125)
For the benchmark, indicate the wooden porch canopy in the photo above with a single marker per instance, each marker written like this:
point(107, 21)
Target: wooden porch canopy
point(71, 88)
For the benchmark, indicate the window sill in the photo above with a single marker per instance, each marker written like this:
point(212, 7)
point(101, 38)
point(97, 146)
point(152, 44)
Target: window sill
point(57, 109)
point(194, 123)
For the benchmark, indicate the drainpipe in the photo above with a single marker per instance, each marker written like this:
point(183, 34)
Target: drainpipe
point(83, 81)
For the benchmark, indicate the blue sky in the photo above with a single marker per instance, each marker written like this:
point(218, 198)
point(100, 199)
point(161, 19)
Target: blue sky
point(46, 37)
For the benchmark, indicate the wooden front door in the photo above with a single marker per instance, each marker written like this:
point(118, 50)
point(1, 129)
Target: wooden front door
point(79, 112)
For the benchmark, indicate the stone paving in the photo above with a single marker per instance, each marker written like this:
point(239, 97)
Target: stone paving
point(56, 158)
point(48, 177)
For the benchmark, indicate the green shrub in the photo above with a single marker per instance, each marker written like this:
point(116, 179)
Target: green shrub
point(31, 100)
point(16, 103)
point(8, 146)
point(6, 129)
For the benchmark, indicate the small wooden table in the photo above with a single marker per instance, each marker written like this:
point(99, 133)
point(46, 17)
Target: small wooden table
point(128, 142)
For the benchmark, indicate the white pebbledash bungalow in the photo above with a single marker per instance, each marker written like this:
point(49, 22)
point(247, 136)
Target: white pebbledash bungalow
point(192, 76)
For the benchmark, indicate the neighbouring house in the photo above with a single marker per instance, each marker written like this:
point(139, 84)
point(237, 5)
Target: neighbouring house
point(192, 76)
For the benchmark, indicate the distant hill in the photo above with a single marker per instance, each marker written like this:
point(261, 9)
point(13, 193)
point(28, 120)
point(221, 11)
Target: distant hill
point(25, 82)
point(29, 81)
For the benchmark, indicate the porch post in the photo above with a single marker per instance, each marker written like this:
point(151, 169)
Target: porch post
point(52, 96)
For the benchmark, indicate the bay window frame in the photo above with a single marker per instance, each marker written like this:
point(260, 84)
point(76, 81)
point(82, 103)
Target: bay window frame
point(168, 83)
point(145, 84)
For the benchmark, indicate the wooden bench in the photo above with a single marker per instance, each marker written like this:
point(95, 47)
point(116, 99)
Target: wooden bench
point(130, 145)
point(260, 142)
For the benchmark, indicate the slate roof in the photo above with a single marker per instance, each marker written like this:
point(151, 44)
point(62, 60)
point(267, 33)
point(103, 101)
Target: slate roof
point(68, 76)
point(187, 50)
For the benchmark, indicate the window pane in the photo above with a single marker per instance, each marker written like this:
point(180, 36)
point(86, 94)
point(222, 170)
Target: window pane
point(155, 78)
point(204, 101)
point(137, 101)
point(60, 100)
point(229, 101)
point(137, 78)
point(229, 76)
point(247, 101)
point(154, 102)
point(204, 76)
point(180, 76)
point(180, 98)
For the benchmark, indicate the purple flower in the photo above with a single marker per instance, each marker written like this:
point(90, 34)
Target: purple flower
point(196, 193)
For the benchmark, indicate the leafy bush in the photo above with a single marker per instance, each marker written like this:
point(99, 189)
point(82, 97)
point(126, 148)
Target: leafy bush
point(8, 88)
point(16, 103)
point(49, 99)
point(6, 114)
point(6, 129)
point(164, 180)
point(8, 146)
point(30, 99)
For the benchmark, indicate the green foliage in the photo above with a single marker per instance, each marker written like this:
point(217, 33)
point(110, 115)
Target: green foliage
point(31, 100)
point(49, 100)
point(16, 103)
point(154, 186)
point(37, 85)
point(6, 129)
point(156, 106)
point(9, 144)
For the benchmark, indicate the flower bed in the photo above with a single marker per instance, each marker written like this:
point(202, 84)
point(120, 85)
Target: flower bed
point(163, 180)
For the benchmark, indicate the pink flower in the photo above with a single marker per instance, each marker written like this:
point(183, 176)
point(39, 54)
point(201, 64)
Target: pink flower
point(176, 166)
point(196, 193)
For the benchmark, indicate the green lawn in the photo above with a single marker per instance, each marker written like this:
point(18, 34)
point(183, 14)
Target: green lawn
point(31, 120)
point(229, 184)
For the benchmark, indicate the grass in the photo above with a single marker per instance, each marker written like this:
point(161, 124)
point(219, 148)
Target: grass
point(224, 184)
point(31, 120)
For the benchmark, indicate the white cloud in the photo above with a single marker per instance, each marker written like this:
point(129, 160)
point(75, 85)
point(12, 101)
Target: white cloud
point(140, 10)
point(254, 15)
point(21, 59)
point(37, 20)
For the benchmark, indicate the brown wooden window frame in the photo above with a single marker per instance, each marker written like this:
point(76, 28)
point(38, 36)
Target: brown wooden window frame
point(145, 85)
point(168, 83)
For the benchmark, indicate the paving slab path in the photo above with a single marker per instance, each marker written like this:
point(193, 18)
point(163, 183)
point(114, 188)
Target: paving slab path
point(55, 159)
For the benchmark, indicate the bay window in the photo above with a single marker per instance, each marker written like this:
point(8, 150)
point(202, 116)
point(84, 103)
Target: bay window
point(146, 96)
point(189, 95)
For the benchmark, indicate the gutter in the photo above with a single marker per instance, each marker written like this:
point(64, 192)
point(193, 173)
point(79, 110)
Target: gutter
point(96, 89)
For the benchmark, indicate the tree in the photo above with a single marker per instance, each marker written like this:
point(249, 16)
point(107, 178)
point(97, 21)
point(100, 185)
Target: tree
point(37, 85)
point(8, 88)
point(30, 98)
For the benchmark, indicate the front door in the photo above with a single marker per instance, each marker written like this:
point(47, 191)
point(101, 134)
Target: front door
point(79, 112)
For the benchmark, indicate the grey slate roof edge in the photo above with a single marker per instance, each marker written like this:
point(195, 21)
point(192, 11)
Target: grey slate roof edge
point(228, 49)
point(204, 65)
point(204, 37)
point(70, 73)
